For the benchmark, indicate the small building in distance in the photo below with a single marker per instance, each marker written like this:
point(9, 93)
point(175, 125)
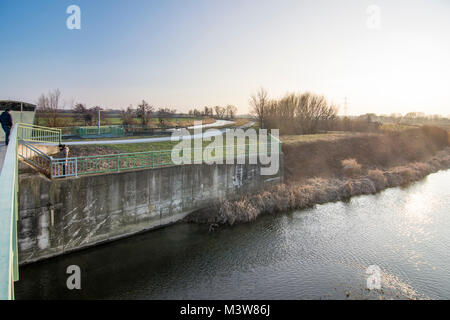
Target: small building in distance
point(17, 106)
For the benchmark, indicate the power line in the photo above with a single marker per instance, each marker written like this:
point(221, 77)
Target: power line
point(345, 106)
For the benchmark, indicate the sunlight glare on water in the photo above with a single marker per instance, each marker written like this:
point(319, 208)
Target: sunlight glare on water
point(319, 253)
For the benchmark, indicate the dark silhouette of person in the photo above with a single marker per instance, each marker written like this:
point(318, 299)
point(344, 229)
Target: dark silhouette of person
point(6, 121)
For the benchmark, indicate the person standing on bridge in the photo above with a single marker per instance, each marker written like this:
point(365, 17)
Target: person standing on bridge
point(6, 121)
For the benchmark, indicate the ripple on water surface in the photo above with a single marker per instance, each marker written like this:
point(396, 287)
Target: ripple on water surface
point(322, 252)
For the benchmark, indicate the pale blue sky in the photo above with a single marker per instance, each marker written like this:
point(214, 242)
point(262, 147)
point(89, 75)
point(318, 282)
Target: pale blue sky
point(192, 53)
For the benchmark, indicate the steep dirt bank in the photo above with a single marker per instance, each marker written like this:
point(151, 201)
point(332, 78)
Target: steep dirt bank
point(314, 173)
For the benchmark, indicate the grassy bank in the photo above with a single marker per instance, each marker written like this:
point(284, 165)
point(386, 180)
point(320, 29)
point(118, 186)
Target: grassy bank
point(321, 156)
point(320, 170)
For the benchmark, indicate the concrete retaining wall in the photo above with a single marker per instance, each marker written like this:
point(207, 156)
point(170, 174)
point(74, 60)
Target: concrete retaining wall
point(60, 216)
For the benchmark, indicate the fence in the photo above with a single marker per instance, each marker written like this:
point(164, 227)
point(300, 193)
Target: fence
point(28, 132)
point(112, 131)
point(35, 157)
point(78, 166)
point(139, 130)
point(21, 133)
point(73, 167)
point(9, 266)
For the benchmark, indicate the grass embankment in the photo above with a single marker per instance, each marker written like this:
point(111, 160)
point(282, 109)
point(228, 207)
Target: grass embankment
point(320, 170)
point(105, 149)
point(384, 150)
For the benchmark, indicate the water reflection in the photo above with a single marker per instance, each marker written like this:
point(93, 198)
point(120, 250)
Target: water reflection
point(311, 254)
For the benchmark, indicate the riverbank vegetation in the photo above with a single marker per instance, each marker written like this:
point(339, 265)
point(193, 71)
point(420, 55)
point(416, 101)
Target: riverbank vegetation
point(321, 171)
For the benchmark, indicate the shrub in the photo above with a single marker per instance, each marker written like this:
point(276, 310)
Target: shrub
point(351, 167)
point(378, 178)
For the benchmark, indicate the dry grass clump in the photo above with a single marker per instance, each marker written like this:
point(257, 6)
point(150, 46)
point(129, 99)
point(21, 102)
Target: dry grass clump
point(378, 178)
point(400, 176)
point(351, 167)
point(232, 212)
point(313, 191)
point(404, 175)
point(357, 187)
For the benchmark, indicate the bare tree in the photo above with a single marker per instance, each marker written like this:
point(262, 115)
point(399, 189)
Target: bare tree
point(49, 105)
point(144, 112)
point(295, 113)
point(94, 111)
point(220, 112)
point(231, 111)
point(127, 115)
point(259, 104)
point(313, 109)
point(208, 112)
point(195, 112)
point(83, 113)
point(166, 112)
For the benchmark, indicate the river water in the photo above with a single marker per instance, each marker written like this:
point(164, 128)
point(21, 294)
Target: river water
point(320, 253)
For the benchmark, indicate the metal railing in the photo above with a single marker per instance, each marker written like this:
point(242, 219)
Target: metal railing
point(21, 134)
point(9, 258)
point(92, 131)
point(35, 157)
point(32, 133)
point(86, 165)
point(100, 164)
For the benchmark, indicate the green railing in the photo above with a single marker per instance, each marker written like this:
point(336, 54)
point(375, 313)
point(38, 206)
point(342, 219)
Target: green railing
point(9, 266)
point(35, 157)
point(113, 131)
point(78, 166)
point(9, 206)
point(99, 164)
point(32, 133)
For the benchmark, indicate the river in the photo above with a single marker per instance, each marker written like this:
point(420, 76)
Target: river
point(320, 253)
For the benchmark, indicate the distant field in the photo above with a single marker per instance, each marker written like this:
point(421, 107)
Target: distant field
point(73, 121)
point(396, 126)
point(331, 136)
point(404, 126)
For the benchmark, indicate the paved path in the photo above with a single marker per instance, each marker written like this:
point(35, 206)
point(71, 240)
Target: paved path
point(218, 123)
point(247, 125)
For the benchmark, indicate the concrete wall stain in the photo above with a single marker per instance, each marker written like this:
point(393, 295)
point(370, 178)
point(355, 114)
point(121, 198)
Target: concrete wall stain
point(60, 216)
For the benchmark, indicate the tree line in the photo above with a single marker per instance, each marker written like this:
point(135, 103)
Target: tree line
point(51, 104)
point(304, 113)
point(228, 112)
